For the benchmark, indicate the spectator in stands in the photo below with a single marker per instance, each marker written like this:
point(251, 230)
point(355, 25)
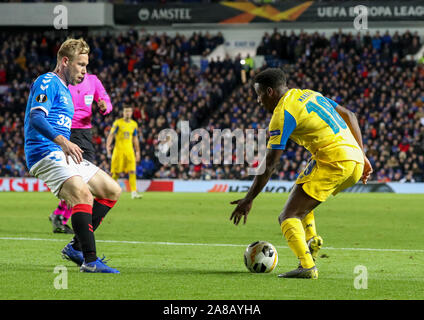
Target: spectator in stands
point(155, 73)
point(408, 178)
point(147, 167)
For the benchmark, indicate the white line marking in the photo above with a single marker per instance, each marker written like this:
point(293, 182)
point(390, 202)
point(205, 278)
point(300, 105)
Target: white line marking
point(208, 244)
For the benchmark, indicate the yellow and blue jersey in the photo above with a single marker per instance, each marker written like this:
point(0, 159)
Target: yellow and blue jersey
point(124, 132)
point(311, 120)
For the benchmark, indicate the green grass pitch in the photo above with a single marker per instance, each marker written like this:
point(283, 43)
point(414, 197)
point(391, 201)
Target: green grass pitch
point(173, 246)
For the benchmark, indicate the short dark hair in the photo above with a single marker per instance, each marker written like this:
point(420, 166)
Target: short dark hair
point(271, 77)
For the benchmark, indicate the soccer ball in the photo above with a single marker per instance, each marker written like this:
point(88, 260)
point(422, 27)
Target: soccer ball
point(260, 257)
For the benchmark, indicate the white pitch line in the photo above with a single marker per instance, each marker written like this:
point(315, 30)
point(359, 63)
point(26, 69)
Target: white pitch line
point(207, 244)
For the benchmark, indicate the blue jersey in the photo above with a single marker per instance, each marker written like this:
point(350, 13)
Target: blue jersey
point(50, 94)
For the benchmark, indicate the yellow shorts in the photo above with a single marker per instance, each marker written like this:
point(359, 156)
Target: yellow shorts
point(122, 162)
point(321, 179)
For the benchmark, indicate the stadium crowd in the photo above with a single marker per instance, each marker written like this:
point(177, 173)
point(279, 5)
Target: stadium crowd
point(155, 73)
point(375, 77)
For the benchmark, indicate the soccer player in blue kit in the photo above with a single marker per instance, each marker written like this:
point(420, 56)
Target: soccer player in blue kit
point(51, 157)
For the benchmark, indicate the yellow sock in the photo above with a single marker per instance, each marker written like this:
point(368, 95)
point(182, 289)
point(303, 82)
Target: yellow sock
point(308, 223)
point(115, 176)
point(133, 182)
point(293, 231)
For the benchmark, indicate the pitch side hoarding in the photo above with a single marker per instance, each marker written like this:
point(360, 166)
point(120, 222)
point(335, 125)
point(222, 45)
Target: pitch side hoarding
point(247, 12)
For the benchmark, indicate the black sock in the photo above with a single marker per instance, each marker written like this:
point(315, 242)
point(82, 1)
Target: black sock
point(75, 244)
point(100, 209)
point(82, 224)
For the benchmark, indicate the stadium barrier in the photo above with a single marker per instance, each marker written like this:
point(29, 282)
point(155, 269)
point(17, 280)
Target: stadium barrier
point(273, 186)
point(238, 12)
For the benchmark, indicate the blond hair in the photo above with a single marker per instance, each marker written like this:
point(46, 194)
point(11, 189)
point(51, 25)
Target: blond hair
point(71, 48)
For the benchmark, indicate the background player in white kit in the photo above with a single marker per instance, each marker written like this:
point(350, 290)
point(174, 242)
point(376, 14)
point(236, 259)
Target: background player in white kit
point(51, 157)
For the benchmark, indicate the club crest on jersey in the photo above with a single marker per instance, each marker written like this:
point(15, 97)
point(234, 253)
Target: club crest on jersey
point(41, 98)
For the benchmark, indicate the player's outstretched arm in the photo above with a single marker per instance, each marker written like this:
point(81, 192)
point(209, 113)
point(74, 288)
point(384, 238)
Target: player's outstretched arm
point(244, 205)
point(271, 160)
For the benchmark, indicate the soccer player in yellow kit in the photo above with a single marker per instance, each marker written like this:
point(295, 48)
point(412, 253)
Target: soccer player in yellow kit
point(125, 132)
point(332, 134)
